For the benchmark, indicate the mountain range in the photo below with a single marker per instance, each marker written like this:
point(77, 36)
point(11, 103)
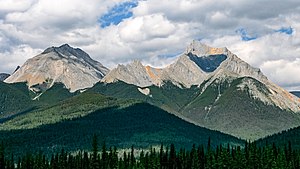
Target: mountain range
point(206, 89)
point(228, 94)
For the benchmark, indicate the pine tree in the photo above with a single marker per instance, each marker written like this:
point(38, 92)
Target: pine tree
point(194, 158)
point(2, 160)
point(161, 154)
point(172, 156)
point(132, 158)
point(104, 161)
point(85, 161)
point(94, 162)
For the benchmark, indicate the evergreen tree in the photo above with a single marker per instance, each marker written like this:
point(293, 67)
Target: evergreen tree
point(132, 158)
point(172, 156)
point(94, 162)
point(104, 161)
point(2, 160)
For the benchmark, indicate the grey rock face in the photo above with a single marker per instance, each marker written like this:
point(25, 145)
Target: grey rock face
point(72, 67)
point(133, 73)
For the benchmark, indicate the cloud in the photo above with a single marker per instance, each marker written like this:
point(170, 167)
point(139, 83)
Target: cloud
point(284, 72)
point(8, 6)
point(146, 28)
point(116, 31)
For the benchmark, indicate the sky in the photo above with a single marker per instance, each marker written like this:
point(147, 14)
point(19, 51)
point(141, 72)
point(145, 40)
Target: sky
point(264, 33)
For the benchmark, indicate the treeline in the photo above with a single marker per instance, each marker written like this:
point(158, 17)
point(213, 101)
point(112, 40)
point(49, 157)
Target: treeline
point(167, 157)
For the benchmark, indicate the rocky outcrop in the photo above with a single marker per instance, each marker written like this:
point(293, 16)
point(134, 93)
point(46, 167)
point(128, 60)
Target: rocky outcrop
point(72, 67)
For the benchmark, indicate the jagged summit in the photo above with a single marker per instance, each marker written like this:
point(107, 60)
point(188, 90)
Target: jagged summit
point(132, 73)
point(198, 63)
point(71, 66)
point(200, 49)
point(67, 50)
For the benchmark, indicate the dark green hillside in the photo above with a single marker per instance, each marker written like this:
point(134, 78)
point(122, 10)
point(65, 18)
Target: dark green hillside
point(140, 125)
point(14, 98)
point(74, 107)
point(58, 92)
point(168, 96)
point(283, 138)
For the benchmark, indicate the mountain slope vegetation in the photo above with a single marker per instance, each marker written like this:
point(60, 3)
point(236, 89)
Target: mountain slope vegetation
point(138, 124)
point(230, 105)
point(282, 139)
point(14, 98)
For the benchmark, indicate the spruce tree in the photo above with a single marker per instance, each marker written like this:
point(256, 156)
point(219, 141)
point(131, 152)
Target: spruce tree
point(94, 162)
point(2, 160)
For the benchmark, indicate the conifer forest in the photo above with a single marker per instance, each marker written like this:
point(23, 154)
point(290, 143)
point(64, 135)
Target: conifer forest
point(166, 157)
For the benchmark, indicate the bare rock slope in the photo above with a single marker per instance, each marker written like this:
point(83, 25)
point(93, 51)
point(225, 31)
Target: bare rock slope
point(72, 67)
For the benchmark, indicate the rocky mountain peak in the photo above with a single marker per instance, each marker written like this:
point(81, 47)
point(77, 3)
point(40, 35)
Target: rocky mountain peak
point(200, 49)
point(67, 50)
point(132, 73)
point(71, 66)
point(136, 63)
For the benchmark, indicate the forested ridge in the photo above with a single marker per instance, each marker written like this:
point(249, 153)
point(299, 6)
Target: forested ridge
point(166, 157)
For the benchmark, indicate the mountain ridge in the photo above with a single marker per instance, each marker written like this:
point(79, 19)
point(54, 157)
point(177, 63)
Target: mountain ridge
point(186, 71)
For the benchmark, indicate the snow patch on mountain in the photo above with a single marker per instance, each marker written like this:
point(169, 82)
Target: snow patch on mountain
point(145, 91)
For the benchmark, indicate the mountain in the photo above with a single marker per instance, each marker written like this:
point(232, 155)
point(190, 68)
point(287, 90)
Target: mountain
point(71, 124)
point(296, 93)
point(72, 67)
point(3, 76)
point(225, 93)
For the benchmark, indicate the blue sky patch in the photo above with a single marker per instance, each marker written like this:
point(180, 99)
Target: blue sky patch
point(244, 34)
point(118, 13)
point(286, 30)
